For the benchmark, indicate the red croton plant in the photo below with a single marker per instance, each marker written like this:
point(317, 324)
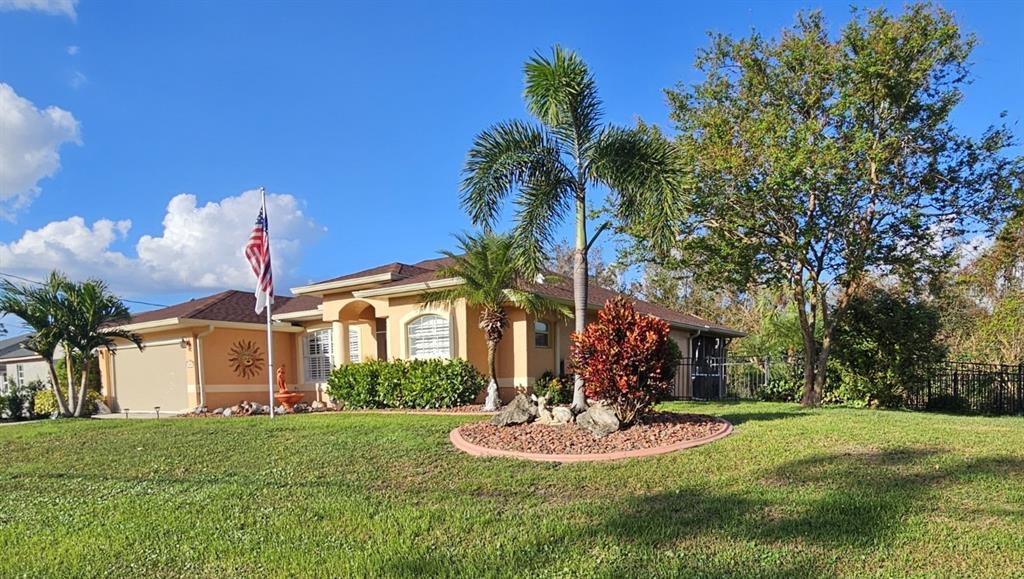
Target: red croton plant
point(626, 359)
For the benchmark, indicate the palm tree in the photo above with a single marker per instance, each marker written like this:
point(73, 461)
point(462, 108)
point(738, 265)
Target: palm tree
point(491, 278)
point(81, 317)
point(40, 307)
point(93, 320)
point(552, 164)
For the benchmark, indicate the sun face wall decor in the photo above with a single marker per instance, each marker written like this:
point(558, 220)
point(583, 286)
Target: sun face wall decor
point(245, 359)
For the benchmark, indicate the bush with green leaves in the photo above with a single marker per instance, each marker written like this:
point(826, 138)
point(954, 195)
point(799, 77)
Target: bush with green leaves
point(44, 403)
point(557, 389)
point(405, 384)
point(17, 403)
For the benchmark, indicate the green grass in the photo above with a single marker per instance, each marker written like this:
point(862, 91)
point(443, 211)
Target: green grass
point(791, 492)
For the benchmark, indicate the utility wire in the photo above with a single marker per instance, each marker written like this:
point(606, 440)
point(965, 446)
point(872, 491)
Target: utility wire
point(37, 282)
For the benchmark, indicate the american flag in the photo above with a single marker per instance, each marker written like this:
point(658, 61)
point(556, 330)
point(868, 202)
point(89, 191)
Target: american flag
point(257, 251)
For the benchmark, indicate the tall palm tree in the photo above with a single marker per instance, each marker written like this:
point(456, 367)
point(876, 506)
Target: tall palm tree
point(553, 163)
point(492, 278)
point(94, 315)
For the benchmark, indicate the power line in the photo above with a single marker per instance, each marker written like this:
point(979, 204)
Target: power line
point(37, 282)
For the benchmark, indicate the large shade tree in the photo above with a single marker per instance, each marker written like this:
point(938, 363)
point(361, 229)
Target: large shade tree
point(77, 317)
point(819, 161)
point(492, 278)
point(554, 164)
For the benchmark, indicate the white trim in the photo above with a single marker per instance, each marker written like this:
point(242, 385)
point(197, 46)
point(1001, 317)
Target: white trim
point(304, 315)
point(232, 388)
point(174, 323)
point(323, 287)
point(153, 343)
point(408, 289)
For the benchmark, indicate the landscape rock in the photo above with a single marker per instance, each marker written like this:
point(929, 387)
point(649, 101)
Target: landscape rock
point(279, 410)
point(317, 406)
point(600, 420)
point(543, 412)
point(561, 415)
point(228, 411)
point(218, 411)
point(301, 407)
point(257, 408)
point(521, 410)
point(102, 408)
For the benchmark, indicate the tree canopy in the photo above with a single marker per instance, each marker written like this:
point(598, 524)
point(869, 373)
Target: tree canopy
point(818, 162)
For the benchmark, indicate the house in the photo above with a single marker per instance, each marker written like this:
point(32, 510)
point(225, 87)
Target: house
point(212, 351)
point(19, 365)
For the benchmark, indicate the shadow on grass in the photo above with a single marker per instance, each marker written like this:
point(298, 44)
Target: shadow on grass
point(837, 502)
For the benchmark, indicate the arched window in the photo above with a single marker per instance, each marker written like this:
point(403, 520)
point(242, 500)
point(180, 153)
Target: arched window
point(429, 337)
point(541, 334)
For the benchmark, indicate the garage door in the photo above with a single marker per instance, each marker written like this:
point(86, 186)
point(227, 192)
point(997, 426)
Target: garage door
point(152, 377)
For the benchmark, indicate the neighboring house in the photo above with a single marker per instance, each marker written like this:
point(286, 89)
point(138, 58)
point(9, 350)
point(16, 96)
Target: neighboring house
point(19, 365)
point(213, 351)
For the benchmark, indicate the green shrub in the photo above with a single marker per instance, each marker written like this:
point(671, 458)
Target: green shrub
point(558, 389)
point(781, 389)
point(405, 384)
point(440, 383)
point(17, 403)
point(45, 403)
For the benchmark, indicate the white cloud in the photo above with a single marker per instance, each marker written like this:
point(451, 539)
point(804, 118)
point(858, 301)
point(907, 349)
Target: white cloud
point(200, 247)
point(73, 50)
point(58, 7)
point(78, 80)
point(30, 140)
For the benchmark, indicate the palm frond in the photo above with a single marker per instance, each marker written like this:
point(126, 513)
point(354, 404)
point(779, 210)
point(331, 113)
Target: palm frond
point(536, 304)
point(645, 173)
point(562, 93)
point(540, 209)
point(502, 158)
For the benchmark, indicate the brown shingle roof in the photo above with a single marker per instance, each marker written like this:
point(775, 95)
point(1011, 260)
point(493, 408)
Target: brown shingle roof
point(227, 306)
point(562, 289)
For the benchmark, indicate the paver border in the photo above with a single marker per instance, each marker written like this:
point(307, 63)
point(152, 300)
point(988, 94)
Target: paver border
point(476, 450)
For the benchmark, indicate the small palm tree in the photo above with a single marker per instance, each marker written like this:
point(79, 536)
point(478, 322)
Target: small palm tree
point(39, 307)
point(94, 315)
point(491, 279)
point(553, 165)
point(81, 317)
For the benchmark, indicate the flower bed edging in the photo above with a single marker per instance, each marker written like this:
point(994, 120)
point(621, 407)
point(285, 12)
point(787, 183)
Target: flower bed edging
point(476, 450)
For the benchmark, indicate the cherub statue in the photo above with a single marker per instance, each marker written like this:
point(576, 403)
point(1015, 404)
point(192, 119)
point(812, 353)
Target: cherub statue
point(282, 387)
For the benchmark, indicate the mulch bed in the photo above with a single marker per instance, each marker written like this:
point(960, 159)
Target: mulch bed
point(651, 431)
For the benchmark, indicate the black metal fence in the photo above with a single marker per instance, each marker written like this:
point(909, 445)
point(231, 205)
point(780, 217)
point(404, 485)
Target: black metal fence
point(714, 377)
point(970, 387)
point(963, 387)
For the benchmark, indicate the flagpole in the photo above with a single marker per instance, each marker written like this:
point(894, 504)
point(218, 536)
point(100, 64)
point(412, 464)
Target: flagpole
point(270, 334)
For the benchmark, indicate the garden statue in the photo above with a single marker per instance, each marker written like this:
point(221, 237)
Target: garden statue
point(283, 396)
point(282, 386)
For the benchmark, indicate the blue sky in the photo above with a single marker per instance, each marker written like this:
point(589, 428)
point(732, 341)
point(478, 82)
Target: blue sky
point(358, 114)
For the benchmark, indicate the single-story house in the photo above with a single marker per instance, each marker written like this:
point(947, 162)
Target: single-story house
point(212, 351)
point(19, 365)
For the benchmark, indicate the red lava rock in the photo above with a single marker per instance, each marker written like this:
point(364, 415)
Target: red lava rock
point(650, 431)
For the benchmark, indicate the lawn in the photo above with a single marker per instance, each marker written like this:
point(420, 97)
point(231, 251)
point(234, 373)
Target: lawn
point(791, 492)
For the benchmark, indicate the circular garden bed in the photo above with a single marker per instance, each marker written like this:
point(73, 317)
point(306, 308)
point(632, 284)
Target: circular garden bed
point(655, 433)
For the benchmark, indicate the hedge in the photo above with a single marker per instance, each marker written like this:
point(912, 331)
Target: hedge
point(405, 384)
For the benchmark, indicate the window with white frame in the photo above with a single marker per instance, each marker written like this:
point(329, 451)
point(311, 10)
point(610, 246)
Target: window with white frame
point(317, 355)
point(21, 375)
point(353, 344)
point(429, 337)
point(541, 334)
